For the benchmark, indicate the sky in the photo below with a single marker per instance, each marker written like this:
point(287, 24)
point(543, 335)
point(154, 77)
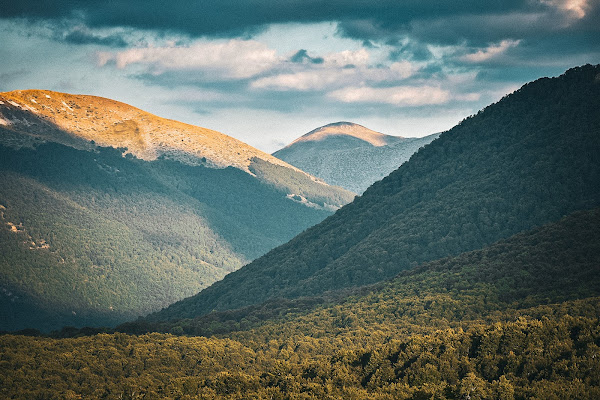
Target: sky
point(269, 71)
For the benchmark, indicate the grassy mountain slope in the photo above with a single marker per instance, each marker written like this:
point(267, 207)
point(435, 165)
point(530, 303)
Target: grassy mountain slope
point(346, 130)
point(77, 120)
point(90, 236)
point(529, 159)
point(518, 319)
point(349, 155)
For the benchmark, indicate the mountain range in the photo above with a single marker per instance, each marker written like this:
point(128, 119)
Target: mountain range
point(108, 212)
point(349, 155)
point(525, 161)
point(470, 272)
point(556, 263)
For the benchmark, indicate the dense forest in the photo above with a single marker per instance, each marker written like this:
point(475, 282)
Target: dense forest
point(516, 320)
point(92, 237)
point(529, 159)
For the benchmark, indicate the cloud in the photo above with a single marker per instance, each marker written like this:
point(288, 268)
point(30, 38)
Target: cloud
point(364, 18)
point(348, 58)
point(304, 80)
point(237, 59)
point(490, 52)
point(301, 56)
point(471, 23)
point(82, 35)
point(335, 73)
point(573, 8)
point(401, 96)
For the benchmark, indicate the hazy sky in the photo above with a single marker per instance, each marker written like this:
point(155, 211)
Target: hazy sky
point(268, 71)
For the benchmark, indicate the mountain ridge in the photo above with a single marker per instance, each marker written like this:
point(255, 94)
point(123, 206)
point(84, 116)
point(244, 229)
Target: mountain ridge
point(526, 160)
point(554, 263)
point(83, 122)
point(344, 128)
point(122, 120)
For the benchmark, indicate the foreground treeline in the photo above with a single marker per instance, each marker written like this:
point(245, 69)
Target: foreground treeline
point(527, 358)
point(519, 319)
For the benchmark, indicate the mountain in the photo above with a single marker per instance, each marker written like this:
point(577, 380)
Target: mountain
point(108, 212)
point(349, 155)
point(516, 320)
point(525, 161)
point(83, 122)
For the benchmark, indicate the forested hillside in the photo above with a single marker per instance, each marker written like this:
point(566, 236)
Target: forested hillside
point(555, 263)
point(531, 158)
point(518, 319)
point(94, 235)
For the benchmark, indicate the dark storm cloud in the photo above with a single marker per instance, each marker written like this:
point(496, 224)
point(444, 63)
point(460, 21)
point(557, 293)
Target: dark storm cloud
point(470, 23)
point(492, 28)
point(361, 18)
point(82, 37)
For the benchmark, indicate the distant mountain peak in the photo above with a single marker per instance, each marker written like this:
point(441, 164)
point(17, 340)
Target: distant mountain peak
point(349, 155)
point(344, 128)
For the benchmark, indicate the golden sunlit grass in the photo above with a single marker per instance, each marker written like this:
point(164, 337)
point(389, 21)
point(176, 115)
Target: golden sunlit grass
point(360, 132)
point(147, 136)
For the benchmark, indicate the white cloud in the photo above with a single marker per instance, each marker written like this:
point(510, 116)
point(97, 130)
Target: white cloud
point(334, 73)
point(236, 59)
point(573, 8)
point(316, 79)
point(396, 71)
point(348, 57)
point(490, 52)
point(403, 69)
point(399, 95)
